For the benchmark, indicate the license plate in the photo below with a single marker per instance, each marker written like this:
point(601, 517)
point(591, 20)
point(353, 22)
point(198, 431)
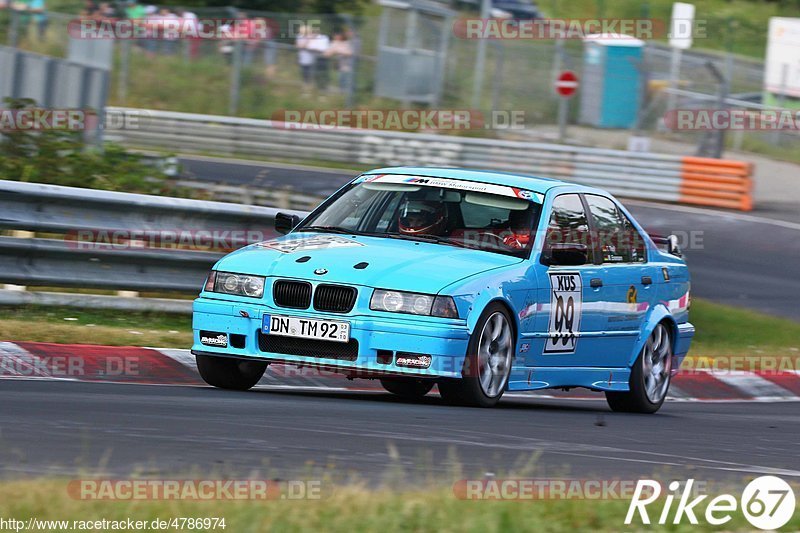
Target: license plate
point(306, 328)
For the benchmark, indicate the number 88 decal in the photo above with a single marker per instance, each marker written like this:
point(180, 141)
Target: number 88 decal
point(566, 301)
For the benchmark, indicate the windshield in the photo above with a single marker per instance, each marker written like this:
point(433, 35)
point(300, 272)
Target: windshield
point(445, 211)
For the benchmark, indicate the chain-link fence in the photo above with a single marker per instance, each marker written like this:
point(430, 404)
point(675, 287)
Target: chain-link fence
point(261, 77)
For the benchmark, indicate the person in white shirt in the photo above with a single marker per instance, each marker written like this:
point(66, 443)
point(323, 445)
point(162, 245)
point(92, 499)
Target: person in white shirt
point(311, 46)
point(341, 50)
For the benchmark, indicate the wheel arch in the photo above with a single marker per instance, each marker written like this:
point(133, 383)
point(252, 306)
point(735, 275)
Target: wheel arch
point(659, 314)
point(472, 320)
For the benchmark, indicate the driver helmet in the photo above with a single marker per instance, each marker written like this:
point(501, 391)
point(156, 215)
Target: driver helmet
point(422, 217)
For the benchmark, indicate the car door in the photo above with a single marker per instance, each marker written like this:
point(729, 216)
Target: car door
point(628, 278)
point(570, 302)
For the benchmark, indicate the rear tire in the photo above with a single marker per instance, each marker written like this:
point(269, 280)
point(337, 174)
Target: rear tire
point(650, 376)
point(408, 388)
point(487, 366)
point(231, 374)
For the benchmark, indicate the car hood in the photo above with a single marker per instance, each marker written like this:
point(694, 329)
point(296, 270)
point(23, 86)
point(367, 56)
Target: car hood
point(390, 263)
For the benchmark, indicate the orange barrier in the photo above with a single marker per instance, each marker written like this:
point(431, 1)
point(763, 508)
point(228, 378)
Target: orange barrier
point(717, 183)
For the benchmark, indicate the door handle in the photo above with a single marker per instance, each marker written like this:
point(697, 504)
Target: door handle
point(596, 283)
point(647, 280)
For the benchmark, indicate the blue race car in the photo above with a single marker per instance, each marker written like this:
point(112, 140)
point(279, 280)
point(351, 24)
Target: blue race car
point(478, 282)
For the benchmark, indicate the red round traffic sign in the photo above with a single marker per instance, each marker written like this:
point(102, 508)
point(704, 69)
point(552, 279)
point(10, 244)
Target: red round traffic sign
point(566, 84)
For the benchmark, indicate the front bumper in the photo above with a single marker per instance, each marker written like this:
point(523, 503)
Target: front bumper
point(445, 341)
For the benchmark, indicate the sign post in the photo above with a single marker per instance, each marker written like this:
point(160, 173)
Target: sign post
point(566, 85)
point(680, 39)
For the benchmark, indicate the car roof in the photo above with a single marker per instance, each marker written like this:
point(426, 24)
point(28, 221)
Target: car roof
point(521, 181)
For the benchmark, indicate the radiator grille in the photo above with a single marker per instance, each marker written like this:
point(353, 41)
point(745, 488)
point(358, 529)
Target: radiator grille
point(342, 351)
point(334, 298)
point(292, 294)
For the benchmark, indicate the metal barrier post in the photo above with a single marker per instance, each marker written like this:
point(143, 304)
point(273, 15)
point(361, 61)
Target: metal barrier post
point(236, 75)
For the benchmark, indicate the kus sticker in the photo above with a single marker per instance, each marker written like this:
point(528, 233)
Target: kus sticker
point(301, 244)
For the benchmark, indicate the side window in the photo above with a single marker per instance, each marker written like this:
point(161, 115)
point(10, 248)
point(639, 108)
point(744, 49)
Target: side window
point(635, 242)
point(610, 228)
point(617, 241)
point(568, 223)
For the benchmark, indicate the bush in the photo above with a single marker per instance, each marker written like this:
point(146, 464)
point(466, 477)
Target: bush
point(63, 157)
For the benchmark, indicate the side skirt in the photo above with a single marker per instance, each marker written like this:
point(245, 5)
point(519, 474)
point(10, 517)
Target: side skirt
point(600, 379)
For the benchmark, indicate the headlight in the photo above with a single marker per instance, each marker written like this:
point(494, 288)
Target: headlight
point(238, 284)
point(413, 303)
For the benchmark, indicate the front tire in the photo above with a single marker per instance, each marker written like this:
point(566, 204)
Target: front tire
point(488, 363)
point(408, 388)
point(231, 374)
point(650, 376)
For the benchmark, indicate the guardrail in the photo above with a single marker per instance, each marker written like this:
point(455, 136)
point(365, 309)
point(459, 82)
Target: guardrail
point(282, 198)
point(640, 175)
point(105, 236)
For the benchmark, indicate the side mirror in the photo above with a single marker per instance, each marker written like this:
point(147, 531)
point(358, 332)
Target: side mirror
point(673, 247)
point(567, 254)
point(284, 222)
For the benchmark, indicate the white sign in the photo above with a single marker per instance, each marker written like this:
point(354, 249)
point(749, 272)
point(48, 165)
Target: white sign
point(680, 28)
point(782, 70)
point(566, 303)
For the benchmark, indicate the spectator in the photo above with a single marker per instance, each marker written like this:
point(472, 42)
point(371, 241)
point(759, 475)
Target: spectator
point(342, 51)
point(317, 44)
point(32, 10)
point(134, 10)
point(170, 41)
point(191, 25)
point(151, 22)
point(225, 46)
point(89, 9)
point(305, 57)
point(246, 32)
point(270, 48)
point(106, 11)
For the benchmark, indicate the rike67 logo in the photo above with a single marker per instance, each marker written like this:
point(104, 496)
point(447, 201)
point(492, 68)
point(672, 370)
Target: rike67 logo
point(767, 502)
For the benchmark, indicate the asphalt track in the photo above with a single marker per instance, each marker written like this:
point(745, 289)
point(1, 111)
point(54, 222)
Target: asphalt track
point(748, 260)
point(72, 428)
point(69, 428)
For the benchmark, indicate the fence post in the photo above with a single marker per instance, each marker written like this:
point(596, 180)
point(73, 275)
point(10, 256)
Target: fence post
point(480, 59)
point(498, 72)
point(236, 73)
point(13, 27)
point(124, 64)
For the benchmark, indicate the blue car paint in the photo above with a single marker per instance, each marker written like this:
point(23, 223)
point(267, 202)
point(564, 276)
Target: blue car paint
point(603, 355)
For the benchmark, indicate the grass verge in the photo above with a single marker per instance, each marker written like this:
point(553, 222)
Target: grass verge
point(726, 330)
point(347, 509)
point(83, 326)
